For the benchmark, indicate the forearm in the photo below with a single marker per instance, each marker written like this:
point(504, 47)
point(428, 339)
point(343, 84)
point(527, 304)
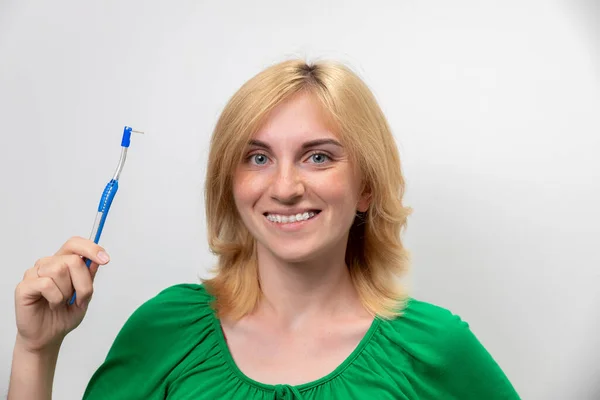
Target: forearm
point(32, 373)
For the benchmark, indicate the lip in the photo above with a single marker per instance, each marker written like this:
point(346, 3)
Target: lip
point(291, 226)
point(292, 211)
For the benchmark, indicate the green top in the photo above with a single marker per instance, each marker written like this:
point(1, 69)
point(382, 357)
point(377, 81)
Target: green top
point(172, 347)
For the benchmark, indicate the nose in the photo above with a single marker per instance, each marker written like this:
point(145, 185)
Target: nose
point(288, 186)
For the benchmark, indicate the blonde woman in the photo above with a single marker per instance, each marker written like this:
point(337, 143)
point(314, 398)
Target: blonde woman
point(304, 211)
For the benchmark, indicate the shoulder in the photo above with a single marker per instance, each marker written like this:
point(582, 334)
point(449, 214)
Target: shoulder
point(428, 318)
point(430, 332)
point(175, 304)
point(167, 325)
point(156, 344)
point(170, 312)
point(442, 347)
point(184, 294)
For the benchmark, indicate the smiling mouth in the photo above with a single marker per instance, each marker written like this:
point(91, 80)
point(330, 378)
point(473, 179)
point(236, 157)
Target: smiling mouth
point(291, 218)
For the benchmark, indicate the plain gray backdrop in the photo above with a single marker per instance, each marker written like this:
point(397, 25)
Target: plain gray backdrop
point(495, 107)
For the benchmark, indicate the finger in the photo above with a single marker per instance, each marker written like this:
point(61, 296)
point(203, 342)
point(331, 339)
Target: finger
point(81, 279)
point(93, 270)
point(32, 273)
point(58, 268)
point(84, 248)
point(62, 270)
point(70, 273)
point(31, 291)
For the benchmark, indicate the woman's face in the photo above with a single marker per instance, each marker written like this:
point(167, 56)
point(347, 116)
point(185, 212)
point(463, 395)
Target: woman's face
point(296, 190)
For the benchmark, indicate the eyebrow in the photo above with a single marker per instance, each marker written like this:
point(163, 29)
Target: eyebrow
point(305, 145)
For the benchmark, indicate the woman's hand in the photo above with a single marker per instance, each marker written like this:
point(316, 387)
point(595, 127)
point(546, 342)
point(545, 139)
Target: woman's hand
point(44, 316)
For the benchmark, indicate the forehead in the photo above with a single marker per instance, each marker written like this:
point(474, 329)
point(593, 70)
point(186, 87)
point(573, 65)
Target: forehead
point(298, 119)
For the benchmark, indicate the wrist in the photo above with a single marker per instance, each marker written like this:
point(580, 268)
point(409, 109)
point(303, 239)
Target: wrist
point(23, 346)
point(32, 371)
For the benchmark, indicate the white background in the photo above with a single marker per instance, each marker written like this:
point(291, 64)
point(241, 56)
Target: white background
point(495, 107)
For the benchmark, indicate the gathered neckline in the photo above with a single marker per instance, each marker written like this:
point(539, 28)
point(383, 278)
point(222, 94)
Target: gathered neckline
point(218, 328)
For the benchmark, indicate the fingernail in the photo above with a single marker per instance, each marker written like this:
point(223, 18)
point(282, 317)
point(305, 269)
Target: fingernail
point(102, 256)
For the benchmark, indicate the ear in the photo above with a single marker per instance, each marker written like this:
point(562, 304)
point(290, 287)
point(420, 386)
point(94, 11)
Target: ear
point(365, 200)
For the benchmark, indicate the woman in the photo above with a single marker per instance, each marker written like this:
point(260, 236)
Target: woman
point(304, 210)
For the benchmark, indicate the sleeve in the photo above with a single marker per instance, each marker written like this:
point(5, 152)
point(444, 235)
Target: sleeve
point(144, 358)
point(470, 372)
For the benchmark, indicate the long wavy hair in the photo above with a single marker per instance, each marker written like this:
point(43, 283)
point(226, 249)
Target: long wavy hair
point(375, 254)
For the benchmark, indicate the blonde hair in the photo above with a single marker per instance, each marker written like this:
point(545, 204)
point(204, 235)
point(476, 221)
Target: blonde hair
point(375, 254)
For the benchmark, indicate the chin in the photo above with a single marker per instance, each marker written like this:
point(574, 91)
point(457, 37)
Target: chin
point(294, 256)
point(293, 252)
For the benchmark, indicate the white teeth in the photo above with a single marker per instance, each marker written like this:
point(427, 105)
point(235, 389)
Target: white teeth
point(285, 219)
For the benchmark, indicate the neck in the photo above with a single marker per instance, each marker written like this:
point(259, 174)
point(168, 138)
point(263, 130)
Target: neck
point(294, 292)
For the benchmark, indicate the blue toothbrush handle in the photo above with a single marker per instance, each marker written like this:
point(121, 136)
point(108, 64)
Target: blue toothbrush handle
point(105, 202)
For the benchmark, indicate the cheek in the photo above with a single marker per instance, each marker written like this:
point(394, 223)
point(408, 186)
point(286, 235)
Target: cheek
point(339, 188)
point(247, 187)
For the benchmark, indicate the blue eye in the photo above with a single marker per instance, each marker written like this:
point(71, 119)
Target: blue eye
point(259, 159)
point(319, 158)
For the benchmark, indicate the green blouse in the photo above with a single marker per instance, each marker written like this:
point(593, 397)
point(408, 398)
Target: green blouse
point(172, 347)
